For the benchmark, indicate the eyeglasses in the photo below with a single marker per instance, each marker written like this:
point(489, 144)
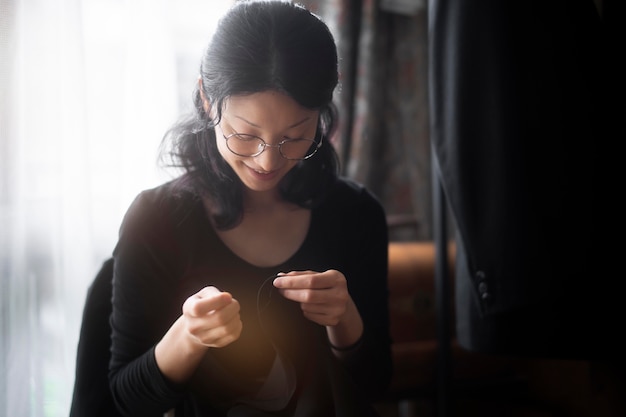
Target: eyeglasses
point(249, 146)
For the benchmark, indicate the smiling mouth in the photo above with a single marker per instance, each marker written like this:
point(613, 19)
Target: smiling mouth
point(263, 174)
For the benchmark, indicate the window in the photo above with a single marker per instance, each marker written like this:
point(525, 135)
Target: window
point(88, 87)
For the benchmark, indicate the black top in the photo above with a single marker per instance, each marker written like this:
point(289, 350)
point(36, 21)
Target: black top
point(168, 250)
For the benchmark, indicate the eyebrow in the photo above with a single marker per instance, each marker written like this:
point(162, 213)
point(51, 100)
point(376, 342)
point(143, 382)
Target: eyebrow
point(288, 127)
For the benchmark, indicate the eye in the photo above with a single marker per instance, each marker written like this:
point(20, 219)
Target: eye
point(246, 138)
point(297, 148)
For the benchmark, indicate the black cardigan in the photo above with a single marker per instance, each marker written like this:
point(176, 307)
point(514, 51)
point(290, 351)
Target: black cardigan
point(167, 251)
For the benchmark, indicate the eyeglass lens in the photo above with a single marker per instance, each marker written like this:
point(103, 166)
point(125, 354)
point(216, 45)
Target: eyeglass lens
point(249, 145)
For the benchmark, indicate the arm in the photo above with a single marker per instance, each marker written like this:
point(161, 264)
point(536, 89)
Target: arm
point(352, 301)
point(155, 347)
point(210, 319)
point(142, 313)
point(365, 265)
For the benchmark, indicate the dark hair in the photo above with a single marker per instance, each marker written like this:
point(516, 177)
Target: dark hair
point(259, 46)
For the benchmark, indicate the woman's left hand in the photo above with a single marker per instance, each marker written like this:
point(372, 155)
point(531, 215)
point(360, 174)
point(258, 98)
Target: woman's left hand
point(323, 296)
point(324, 299)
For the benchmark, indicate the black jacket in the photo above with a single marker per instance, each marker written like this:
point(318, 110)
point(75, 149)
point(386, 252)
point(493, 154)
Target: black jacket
point(520, 114)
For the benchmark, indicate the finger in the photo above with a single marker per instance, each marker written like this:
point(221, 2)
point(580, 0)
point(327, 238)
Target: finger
point(305, 280)
point(318, 308)
point(207, 292)
point(321, 318)
point(225, 315)
point(205, 301)
point(295, 273)
point(289, 278)
point(217, 324)
point(224, 341)
point(222, 335)
point(309, 296)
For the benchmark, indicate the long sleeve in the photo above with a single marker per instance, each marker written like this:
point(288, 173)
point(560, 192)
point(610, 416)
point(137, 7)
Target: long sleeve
point(362, 232)
point(167, 252)
point(145, 303)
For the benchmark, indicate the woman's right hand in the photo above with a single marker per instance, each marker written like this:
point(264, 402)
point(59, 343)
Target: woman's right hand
point(211, 317)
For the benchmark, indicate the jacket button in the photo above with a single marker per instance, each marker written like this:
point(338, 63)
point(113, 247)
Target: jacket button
point(483, 288)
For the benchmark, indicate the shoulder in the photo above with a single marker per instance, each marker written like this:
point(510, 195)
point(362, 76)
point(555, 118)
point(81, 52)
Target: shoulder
point(349, 193)
point(157, 207)
point(350, 204)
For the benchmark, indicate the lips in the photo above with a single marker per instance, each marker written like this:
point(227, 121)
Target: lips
point(263, 175)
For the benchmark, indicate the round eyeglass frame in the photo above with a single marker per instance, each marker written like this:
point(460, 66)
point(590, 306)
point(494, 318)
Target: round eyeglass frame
point(267, 145)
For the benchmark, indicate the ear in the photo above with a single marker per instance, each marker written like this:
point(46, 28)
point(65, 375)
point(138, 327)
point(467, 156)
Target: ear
point(205, 103)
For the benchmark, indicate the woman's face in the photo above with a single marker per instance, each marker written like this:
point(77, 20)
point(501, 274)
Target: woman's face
point(272, 116)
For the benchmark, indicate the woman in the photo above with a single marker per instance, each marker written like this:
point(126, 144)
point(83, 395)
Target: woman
point(255, 283)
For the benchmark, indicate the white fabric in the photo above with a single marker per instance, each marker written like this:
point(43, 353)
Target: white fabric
point(88, 88)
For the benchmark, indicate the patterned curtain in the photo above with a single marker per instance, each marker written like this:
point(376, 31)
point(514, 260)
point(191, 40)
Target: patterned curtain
point(383, 138)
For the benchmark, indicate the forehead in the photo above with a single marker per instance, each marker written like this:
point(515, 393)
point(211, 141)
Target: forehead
point(267, 109)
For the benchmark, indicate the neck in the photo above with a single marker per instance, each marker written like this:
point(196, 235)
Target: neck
point(261, 200)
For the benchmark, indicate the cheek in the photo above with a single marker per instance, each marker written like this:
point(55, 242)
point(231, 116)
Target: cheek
point(291, 165)
point(223, 150)
point(229, 157)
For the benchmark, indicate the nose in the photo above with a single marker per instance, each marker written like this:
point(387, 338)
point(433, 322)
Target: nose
point(270, 158)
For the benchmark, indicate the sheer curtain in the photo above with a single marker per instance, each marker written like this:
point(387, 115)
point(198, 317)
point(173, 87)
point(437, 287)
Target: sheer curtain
point(88, 88)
